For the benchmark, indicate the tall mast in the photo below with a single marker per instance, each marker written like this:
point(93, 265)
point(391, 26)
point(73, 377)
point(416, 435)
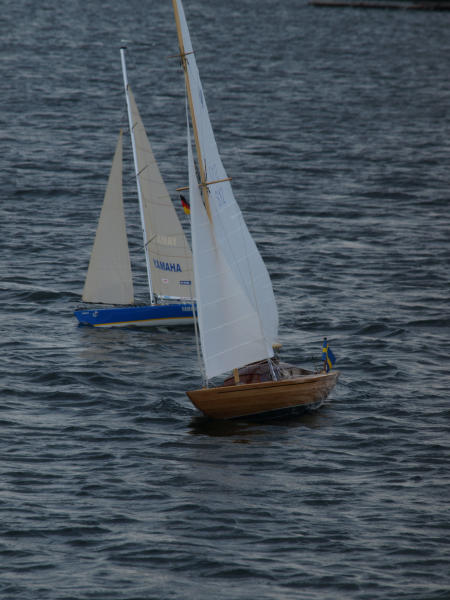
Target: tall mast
point(136, 170)
point(201, 167)
point(203, 183)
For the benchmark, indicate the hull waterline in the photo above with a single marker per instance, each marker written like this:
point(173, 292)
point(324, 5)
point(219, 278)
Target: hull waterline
point(143, 316)
point(265, 398)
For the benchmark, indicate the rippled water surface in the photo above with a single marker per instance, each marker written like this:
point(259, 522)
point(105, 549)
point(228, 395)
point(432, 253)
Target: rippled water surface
point(335, 126)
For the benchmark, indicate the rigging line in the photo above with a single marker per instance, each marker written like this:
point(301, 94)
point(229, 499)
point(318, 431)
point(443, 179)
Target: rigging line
point(242, 227)
point(205, 189)
point(139, 44)
point(135, 160)
point(180, 55)
point(149, 241)
point(207, 196)
point(272, 370)
point(197, 341)
point(185, 64)
point(138, 174)
point(187, 255)
point(130, 179)
point(252, 279)
point(254, 303)
point(194, 305)
point(206, 184)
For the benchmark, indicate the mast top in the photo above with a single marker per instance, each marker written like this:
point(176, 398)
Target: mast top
point(183, 55)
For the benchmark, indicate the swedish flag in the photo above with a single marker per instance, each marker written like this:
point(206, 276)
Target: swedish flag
point(327, 356)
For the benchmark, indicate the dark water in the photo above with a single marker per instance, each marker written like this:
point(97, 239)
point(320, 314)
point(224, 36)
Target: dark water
point(335, 126)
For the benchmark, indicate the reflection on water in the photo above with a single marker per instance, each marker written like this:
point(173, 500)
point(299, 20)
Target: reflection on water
point(252, 427)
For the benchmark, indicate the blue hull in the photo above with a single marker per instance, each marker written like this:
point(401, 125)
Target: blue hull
point(158, 314)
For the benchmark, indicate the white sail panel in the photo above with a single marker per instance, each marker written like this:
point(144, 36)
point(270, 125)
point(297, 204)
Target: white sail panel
point(109, 279)
point(170, 254)
point(230, 230)
point(230, 328)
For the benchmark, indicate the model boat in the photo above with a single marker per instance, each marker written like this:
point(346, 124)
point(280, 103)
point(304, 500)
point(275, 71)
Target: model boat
point(236, 308)
point(168, 257)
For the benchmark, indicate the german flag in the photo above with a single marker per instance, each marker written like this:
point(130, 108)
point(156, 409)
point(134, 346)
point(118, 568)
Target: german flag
point(185, 205)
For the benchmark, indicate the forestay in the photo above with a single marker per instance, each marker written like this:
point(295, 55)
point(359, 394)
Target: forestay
point(169, 252)
point(109, 279)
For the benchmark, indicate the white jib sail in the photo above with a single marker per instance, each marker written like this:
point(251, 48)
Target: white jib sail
point(230, 231)
point(170, 254)
point(230, 328)
point(109, 279)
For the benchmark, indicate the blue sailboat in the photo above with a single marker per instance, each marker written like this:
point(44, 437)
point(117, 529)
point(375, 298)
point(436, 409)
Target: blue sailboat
point(168, 257)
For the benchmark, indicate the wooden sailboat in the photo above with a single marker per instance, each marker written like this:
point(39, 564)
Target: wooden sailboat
point(237, 312)
point(167, 253)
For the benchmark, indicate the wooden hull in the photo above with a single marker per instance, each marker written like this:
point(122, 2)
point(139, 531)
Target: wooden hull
point(261, 399)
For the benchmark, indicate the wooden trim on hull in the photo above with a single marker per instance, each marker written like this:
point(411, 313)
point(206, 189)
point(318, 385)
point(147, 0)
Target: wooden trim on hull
point(232, 401)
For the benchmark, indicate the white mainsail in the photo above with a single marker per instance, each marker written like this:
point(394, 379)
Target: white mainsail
point(230, 328)
point(109, 279)
point(169, 252)
point(228, 248)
